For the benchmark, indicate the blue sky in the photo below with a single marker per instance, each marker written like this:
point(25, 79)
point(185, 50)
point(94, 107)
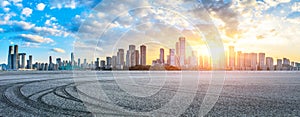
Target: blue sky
point(43, 28)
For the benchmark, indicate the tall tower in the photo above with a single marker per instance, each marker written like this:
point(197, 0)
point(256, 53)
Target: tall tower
point(120, 59)
point(16, 57)
point(79, 64)
point(30, 62)
point(131, 54)
point(108, 62)
point(261, 61)
point(72, 59)
point(231, 57)
point(114, 62)
point(9, 58)
point(143, 55)
point(172, 57)
point(137, 57)
point(162, 56)
point(23, 55)
point(254, 61)
point(182, 51)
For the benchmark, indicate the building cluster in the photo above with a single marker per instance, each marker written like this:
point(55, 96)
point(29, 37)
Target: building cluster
point(16, 60)
point(176, 58)
point(258, 61)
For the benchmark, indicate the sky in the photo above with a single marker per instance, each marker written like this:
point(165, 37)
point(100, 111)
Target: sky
point(98, 28)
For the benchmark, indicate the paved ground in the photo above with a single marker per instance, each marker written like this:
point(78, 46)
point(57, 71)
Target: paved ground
point(99, 94)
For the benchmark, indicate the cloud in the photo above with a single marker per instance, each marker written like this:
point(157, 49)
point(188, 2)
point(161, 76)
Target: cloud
point(5, 3)
point(6, 9)
point(27, 11)
point(40, 6)
point(1, 30)
point(58, 50)
point(35, 38)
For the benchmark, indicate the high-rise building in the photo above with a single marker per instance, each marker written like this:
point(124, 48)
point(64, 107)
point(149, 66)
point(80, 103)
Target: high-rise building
point(59, 62)
point(23, 55)
point(97, 63)
point(120, 59)
point(247, 59)
point(182, 51)
point(50, 63)
point(269, 63)
point(108, 62)
point(162, 56)
point(286, 62)
point(72, 59)
point(279, 64)
point(16, 57)
point(261, 61)
point(114, 62)
point(78, 63)
point(172, 57)
point(102, 64)
point(193, 60)
point(128, 61)
point(231, 57)
point(137, 57)
point(10, 57)
point(30, 62)
point(254, 61)
point(238, 60)
point(143, 55)
point(131, 57)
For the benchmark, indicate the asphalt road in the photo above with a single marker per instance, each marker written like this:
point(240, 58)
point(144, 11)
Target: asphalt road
point(149, 94)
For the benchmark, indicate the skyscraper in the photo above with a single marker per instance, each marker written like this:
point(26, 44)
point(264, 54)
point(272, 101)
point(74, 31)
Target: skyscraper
point(231, 57)
point(16, 57)
point(50, 63)
point(23, 55)
point(30, 62)
point(137, 57)
point(279, 64)
point(172, 57)
point(114, 62)
point(254, 61)
point(131, 55)
point(143, 55)
point(162, 56)
point(10, 57)
point(78, 63)
point(72, 59)
point(261, 61)
point(120, 59)
point(182, 50)
point(238, 59)
point(108, 62)
point(269, 63)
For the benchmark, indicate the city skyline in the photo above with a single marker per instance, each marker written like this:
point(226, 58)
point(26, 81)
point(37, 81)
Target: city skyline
point(136, 56)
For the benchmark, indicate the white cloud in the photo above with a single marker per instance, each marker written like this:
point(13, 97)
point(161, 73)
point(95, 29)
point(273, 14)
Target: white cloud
point(5, 3)
point(72, 5)
point(24, 25)
point(27, 11)
point(1, 30)
point(40, 6)
point(36, 38)
point(6, 9)
point(58, 50)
